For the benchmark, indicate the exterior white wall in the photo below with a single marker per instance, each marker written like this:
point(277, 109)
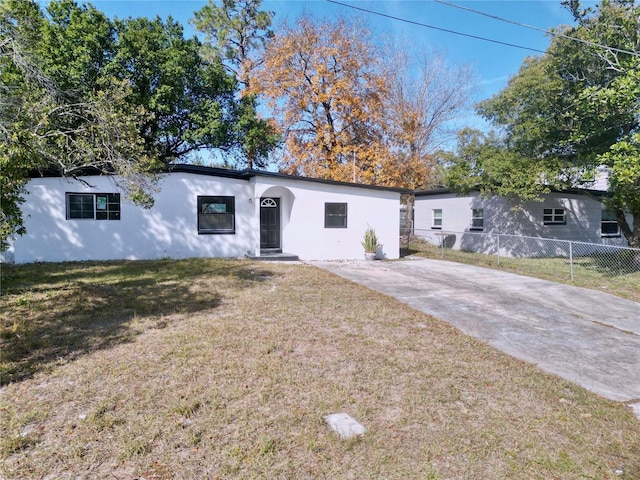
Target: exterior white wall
point(169, 229)
point(583, 217)
point(302, 218)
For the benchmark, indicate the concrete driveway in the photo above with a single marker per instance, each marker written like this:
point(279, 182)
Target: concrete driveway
point(588, 337)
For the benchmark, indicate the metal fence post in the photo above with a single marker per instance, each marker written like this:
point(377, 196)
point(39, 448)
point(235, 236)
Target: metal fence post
point(571, 259)
point(498, 249)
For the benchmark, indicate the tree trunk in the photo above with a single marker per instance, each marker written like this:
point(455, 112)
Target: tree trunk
point(634, 238)
point(409, 201)
point(631, 234)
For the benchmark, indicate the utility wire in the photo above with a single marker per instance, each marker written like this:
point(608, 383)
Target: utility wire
point(547, 32)
point(436, 28)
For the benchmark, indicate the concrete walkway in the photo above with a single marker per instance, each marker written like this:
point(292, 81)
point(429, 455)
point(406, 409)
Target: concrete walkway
point(588, 337)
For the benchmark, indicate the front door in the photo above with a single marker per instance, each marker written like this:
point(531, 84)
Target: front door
point(270, 223)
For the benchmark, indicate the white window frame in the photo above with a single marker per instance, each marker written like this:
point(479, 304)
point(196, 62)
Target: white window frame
point(607, 221)
point(436, 219)
point(477, 219)
point(554, 216)
point(104, 206)
point(336, 214)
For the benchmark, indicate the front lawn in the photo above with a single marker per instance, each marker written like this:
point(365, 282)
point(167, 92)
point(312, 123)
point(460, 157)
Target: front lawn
point(208, 368)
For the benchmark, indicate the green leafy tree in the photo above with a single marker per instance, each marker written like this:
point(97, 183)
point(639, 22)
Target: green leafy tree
point(50, 119)
point(79, 90)
point(14, 165)
point(236, 32)
point(567, 113)
point(484, 163)
point(191, 102)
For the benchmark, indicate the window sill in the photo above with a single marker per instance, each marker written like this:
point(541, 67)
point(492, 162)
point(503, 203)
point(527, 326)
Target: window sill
point(94, 219)
point(436, 228)
point(216, 233)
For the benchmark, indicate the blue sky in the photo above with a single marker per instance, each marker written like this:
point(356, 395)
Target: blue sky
point(493, 63)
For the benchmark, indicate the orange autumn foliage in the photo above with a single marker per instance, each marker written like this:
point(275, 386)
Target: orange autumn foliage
point(349, 111)
point(323, 82)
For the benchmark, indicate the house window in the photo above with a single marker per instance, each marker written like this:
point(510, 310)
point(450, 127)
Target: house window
point(335, 215)
point(93, 206)
point(609, 225)
point(477, 219)
point(554, 216)
point(216, 215)
point(437, 219)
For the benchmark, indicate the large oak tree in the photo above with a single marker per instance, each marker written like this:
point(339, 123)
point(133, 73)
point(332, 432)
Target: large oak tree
point(351, 109)
point(128, 96)
point(50, 117)
point(323, 80)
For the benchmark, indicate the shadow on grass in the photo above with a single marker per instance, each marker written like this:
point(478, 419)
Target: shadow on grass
point(609, 266)
point(406, 251)
point(410, 246)
point(52, 313)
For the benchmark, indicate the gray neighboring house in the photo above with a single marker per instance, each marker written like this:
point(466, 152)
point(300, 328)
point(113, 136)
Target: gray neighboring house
point(457, 220)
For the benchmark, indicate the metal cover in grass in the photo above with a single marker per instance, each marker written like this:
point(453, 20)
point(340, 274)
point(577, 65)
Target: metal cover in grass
point(344, 425)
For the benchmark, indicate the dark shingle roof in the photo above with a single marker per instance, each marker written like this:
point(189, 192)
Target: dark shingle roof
point(226, 173)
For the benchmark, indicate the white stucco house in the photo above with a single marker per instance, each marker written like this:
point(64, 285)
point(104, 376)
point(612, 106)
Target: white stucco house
point(204, 212)
point(576, 215)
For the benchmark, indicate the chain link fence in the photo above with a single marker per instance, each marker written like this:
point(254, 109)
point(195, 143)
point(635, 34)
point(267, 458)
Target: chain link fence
point(547, 256)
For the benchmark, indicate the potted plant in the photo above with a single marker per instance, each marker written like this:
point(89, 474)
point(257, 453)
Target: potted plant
point(370, 244)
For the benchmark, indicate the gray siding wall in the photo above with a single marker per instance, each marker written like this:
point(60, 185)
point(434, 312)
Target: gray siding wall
point(583, 216)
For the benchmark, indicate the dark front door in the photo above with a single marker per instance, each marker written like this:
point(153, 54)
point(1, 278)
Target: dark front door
point(270, 223)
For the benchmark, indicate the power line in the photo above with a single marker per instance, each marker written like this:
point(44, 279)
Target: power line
point(453, 32)
point(545, 31)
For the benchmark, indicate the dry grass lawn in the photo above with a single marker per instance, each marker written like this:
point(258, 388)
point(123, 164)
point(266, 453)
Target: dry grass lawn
point(224, 369)
point(589, 272)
